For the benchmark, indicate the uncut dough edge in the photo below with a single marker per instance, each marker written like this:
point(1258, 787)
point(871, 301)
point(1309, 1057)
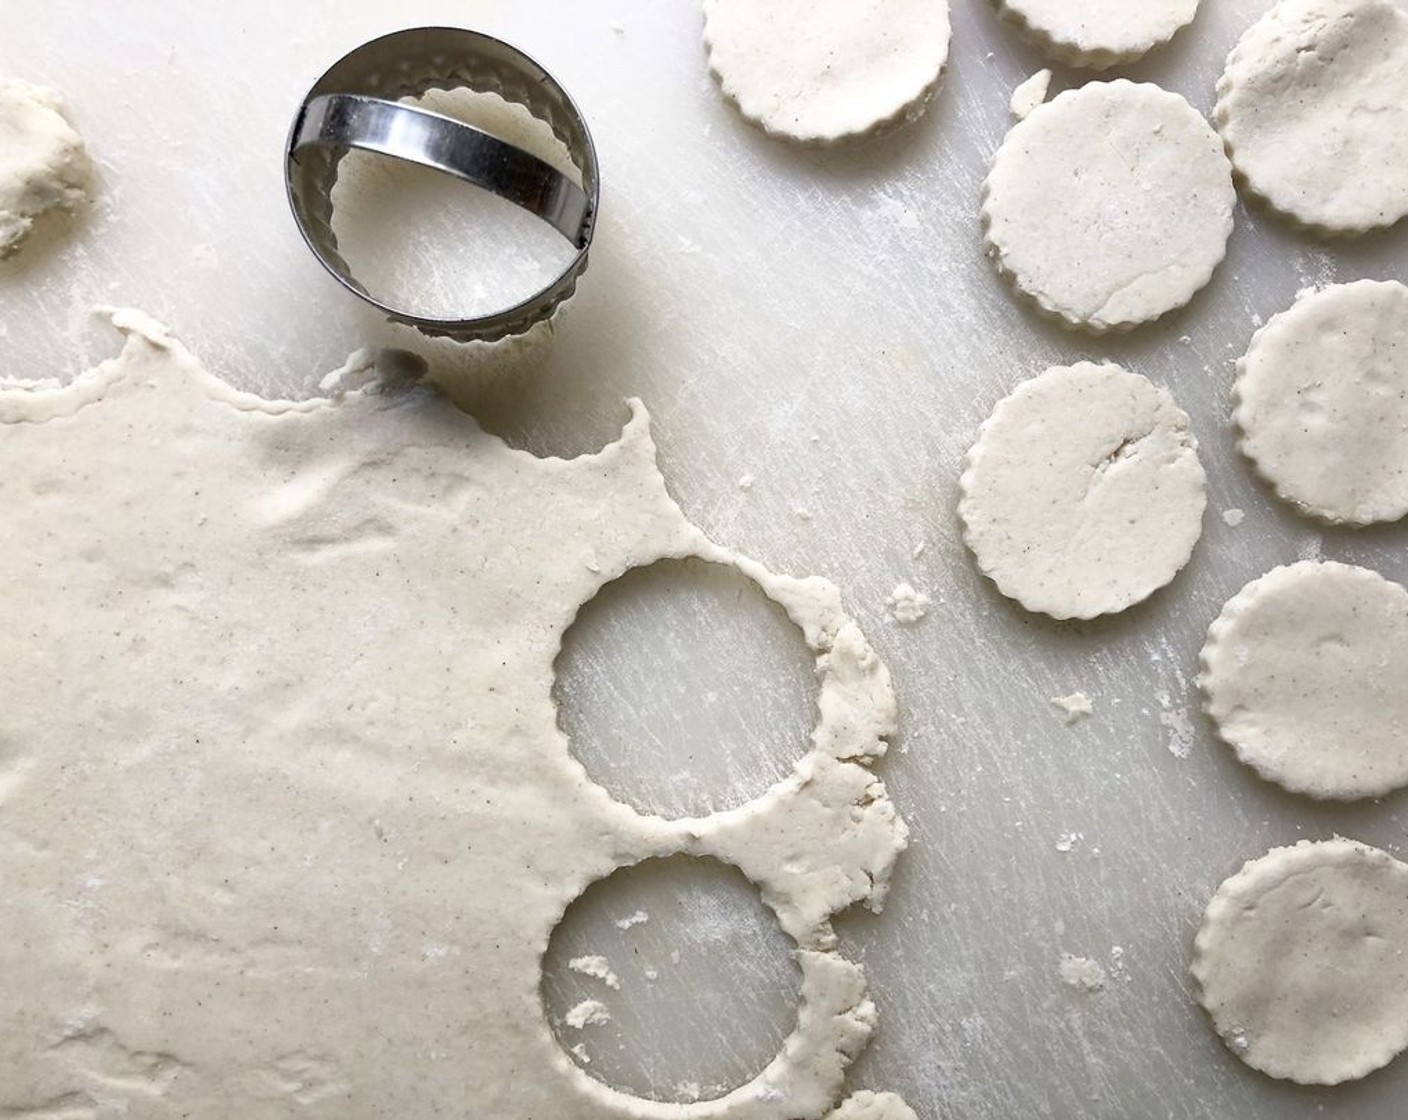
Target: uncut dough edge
point(237, 924)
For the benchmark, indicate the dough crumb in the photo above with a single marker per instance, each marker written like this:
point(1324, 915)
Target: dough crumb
point(688, 1092)
point(745, 482)
point(598, 968)
point(1082, 974)
point(866, 1105)
point(1030, 94)
point(1117, 968)
point(1234, 517)
point(588, 1013)
point(918, 550)
point(639, 918)
point(580, 1053)
point(1075, 706)
point(1178, 725)
point(907, 606)
point(1068, 841)
point(44, 165)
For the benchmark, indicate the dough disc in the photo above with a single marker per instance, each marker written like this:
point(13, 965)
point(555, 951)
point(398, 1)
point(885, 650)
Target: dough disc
point(1304, 674)
point(1313, 105)
point(1301, 964)
point(819, 71)
point(1322, 403)
point(1110, 205)
point(43, 164)
point(1083, 494)
point(1097, 34)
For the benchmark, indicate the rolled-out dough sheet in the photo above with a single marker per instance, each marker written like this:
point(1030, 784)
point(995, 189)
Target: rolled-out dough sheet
point(286, 720)
point(1305, 675)
point(1300, 961)
point(43, 163)
point(820, 71)
point(1109, 206)
point(1097, 34)
point(1083, 494)
point(1321, 402)
point(1313, 106)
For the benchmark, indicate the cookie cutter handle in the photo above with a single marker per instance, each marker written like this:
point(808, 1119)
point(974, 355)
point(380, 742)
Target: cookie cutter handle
point(415, 135)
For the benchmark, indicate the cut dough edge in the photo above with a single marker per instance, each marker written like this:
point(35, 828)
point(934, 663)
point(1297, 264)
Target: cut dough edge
point(856, 714)
point(1279, 865)
point(907, 113)
point(1068, 53)
point(972, 462)
point(1249, 184)
point(1241, 426)
point(1212, 653)
point(1041, 302)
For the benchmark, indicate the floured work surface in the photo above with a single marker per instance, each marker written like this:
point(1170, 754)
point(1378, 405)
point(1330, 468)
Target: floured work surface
point(824, 326)
point(287, 817)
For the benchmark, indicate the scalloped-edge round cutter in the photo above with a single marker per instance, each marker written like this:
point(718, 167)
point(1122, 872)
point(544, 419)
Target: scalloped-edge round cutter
point(1097, 34)
point(1305, 675)
point(1313, 107)
point(1084, 494)
point(823, 71)
point(1300, 961)
point(1109, 206)
point(356, 104)
point(1321, 403)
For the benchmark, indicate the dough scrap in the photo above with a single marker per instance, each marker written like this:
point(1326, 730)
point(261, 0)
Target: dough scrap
point(822, 71)
point(43, 163)
point(1029, 94)
point(288, 717)
point(1109, 206)
point(1097, 34)
point(1083, 494)
point(1313, 106)
point(1304, 675)
point(1300, 961)
point(1321, 402)
point(866, 1105)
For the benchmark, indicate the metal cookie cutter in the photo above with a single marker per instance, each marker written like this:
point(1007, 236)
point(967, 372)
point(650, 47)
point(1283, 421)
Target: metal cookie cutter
point(355, 105)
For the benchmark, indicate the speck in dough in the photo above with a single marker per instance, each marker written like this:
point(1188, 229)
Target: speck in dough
point(1313, 106)
point(43, 163)
point(1110, 205)
point(1083, 494)
point(1321, 402)
point(1097, 34)
point(1305, 674)
point(819, 71)
point(1301, 965)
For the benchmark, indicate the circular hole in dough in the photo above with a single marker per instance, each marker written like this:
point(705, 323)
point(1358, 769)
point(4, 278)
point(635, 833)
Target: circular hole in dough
point(1321, 401)
point(1305, 674)
point(1301, 965)
point(685, 660)
point(819, 71)
point(1097, 34)
point(655, 964)
point(1313, 106)
point(1109, 206)
point(1083, 494)
point(43, 163)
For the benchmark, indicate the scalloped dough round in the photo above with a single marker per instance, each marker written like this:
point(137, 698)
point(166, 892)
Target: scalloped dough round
point(1097, 34)
point(1110, 205)
point(1321, 401)
point(819, 71)
point(1313, 106)
point(1305, 674)
point(1083, 494)
point(1300, 961)
point(43, 163)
